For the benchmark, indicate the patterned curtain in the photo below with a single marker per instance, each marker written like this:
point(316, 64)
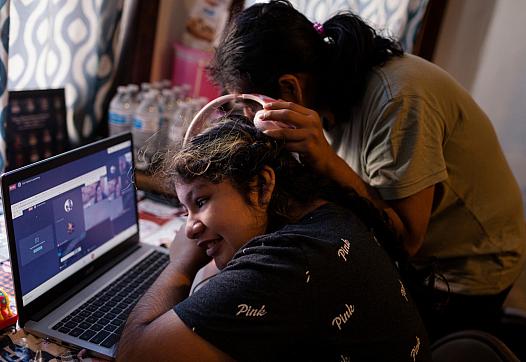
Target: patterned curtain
point(4, 26)
point(398, 18)
point(71, 44)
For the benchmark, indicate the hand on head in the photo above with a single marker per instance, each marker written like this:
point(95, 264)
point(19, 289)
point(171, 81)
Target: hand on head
point(304, 134)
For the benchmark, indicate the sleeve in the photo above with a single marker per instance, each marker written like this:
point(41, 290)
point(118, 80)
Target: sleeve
point(404, 153)
point(255, 302)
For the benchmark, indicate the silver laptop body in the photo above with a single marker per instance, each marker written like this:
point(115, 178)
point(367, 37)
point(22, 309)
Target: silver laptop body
point(72, 228)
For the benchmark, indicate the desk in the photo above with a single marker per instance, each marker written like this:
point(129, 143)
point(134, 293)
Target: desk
point(157, 224)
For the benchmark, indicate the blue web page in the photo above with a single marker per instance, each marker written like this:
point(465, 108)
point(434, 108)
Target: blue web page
point(96, 204)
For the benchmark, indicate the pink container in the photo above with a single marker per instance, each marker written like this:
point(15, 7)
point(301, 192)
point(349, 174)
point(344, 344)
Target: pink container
point(190, 68)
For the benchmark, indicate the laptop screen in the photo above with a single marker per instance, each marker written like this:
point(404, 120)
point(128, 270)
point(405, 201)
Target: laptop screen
point(68, 216)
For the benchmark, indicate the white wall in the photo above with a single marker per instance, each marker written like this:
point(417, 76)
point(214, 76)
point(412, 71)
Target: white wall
point(483, 45)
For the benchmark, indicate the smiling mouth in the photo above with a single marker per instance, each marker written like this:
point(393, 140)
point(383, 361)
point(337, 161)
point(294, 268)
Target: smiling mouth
point(211, 246)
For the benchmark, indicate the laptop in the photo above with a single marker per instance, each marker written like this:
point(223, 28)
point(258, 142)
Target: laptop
point(73, 234)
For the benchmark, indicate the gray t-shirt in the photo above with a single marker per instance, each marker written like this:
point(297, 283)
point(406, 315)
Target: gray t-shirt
point(417, 127)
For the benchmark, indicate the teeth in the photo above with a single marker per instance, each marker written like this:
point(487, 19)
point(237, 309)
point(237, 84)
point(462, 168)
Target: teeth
point(212, 243)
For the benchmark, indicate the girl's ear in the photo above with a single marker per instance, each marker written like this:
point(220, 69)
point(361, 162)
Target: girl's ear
point(291, 88)
point(263, 187)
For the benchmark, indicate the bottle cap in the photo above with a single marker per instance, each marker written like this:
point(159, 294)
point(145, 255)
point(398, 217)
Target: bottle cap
point(133, 87)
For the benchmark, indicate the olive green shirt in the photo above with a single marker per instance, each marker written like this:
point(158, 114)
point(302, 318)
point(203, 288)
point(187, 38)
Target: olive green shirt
point(417, 127)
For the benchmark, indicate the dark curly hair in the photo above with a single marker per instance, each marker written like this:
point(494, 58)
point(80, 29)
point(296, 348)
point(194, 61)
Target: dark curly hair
point(265, 41)
point(234, 149)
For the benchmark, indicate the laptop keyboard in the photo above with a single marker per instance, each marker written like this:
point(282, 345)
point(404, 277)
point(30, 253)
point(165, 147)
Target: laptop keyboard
point(101, 319)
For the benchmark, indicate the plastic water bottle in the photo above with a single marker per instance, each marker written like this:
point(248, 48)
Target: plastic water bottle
point(178, 123)
point(185, 90)
point(157, 85)
point(168, 107)
point(201, 102)
point(167, 83)
point(145, 126)
point(120, 112)
point(145, 88)
point(133, 91)
point(195, 106)
point(178, 92)
point(169, 104)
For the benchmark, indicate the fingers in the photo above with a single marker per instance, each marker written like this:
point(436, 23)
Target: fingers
point(306, 136)
point(292, 114)
point(297, 140)
point(288, 134)
point(291, 118)
point(287, 105)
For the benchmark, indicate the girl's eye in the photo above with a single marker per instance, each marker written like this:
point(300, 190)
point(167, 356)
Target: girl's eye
point(200, 202)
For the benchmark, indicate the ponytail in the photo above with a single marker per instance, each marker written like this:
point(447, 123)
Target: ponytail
point(355, 49)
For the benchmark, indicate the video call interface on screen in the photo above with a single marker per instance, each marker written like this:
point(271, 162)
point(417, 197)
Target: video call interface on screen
point(70, 215)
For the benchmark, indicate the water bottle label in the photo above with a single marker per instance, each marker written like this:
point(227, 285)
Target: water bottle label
point(117, 118)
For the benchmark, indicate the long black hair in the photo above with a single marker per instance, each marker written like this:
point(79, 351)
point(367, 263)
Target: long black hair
point(265, 41)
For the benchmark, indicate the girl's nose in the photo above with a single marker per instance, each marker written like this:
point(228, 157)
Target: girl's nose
point(194, 229)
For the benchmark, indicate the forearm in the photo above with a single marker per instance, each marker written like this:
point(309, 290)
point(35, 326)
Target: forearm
point(170, 288)
point(339, 171)
point(409, 216)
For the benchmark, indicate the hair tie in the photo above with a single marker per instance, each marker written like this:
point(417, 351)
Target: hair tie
point(319, 28)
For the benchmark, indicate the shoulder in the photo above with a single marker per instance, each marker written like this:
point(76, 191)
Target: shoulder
point(410, 76)
point(316, 234)
point(405, 92)
point(320, 225)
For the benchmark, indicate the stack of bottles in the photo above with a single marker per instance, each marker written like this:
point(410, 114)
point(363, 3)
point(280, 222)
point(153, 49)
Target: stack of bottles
point(157, 115)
